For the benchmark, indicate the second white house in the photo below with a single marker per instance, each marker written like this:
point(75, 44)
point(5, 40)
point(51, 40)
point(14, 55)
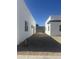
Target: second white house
point(53, 26)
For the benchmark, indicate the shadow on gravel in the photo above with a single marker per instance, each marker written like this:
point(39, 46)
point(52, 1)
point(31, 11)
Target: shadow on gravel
point(40, 42)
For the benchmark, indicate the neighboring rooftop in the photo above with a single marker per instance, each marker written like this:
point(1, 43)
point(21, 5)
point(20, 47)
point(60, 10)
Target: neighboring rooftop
point(54, 21)
point(55, 17)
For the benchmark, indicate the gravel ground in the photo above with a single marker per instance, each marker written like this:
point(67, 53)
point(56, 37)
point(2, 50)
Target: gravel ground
point(57, 38)
point(40, 42)
point(39, 46)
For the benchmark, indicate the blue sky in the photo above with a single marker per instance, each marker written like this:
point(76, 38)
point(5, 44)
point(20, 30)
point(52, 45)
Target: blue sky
point(42, 9)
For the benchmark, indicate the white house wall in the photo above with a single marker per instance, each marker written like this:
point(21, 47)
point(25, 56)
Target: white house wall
point(46, 26)
point(23, 15)
point(47, 31)
point(53, 26)
point(55, 29)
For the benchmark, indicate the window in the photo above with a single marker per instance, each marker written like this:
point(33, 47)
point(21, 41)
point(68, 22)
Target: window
point(60, 28)
point(26, 26)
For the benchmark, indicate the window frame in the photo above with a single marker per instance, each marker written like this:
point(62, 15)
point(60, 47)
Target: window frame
point(26, 26)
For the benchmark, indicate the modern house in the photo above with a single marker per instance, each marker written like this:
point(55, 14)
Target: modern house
point(53, 26)
point(26, 25)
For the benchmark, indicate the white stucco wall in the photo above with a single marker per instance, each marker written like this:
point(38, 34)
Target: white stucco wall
point(55, 29)
point(53, 26)
point(46, 26)
point(23, 15)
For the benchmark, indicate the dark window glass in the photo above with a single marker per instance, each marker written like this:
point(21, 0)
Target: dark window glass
point(26, 26)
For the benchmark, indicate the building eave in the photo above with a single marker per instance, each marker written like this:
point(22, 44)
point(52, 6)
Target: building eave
point(54, 21)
